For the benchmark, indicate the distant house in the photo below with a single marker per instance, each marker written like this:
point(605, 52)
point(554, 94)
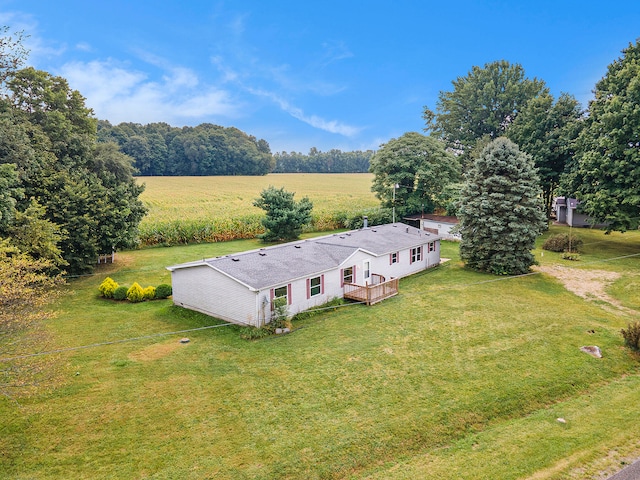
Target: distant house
point(567, 212)
point(441, 225)
point(363, 265)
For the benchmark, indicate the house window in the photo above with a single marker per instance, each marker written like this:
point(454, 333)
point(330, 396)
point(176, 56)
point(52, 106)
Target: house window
point(367, 269)
point(393, 258)
point(315, 286)
point(347, 275)
point(432, 246)
point(281, 292)
point(416, 254)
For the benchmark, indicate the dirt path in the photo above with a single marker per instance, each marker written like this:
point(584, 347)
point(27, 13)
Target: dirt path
point(588, 284)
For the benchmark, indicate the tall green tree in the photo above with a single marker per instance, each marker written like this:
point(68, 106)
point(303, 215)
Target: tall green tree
point(419, 166)
point(500, 210)
point(285, 216)
point(548, 131)
point(483, 103)
point(37, 237)
point(10, 193)
point(87, 191)
point(606, 174)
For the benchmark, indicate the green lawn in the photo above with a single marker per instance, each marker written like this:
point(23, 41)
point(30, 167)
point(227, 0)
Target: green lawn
point(462, 375)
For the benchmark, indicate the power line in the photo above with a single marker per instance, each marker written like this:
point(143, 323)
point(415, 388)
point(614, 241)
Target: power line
point(113, 342)
point(143, 337)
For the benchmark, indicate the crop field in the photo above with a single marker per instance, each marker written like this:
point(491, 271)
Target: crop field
point(176, 198)
point(196, 209)
point(462, 375)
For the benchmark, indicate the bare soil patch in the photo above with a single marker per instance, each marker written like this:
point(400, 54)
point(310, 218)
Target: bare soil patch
point(588, 284)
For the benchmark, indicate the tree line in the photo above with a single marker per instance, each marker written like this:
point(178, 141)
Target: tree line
point(333, 161)
point(207, 149)
point(162, 150)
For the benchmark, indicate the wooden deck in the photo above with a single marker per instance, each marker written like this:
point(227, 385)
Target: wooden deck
point(373, 293)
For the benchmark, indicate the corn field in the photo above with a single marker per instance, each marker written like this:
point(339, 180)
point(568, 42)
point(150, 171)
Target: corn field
point(186, 210)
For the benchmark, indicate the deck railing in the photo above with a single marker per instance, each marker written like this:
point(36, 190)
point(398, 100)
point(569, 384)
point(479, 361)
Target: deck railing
point(371, 294)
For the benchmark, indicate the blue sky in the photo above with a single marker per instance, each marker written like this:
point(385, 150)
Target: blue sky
point(332, 74)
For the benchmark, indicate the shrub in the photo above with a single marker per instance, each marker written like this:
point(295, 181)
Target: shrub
point(135, 293)
point(279, 316)
point(120, 293)
point(163, 291)
point(254, 333)
point(107, 287)
point(632, 335)
point(149, 293)
point(562, 242)
point(570, 256)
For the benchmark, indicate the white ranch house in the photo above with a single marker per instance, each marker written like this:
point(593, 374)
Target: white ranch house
point(361, 264)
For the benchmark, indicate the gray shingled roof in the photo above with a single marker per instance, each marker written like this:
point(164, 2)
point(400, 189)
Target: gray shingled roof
point(279, 264)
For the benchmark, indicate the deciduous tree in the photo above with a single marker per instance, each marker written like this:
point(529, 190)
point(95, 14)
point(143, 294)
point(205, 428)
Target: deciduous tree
point(285, 216)
point(606, 174)
point(500, 210)
point(421, 168)
point(482, 103)
point(547, 131)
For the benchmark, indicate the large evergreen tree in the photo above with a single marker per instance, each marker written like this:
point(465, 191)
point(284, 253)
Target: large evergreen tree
point(500, 210)
point(606, 174)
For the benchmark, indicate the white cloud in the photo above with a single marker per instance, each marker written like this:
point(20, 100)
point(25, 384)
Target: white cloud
point(228, 74)
point(334, 51)
point(331, 126)
point(38, 48)
point(119, 94)
point(84, 46)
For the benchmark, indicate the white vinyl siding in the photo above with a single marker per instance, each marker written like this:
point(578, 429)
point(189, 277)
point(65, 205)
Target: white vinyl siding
point(207, 291)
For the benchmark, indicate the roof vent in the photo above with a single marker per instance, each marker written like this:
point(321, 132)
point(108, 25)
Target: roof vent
point(262, 254)
point(407, 229)
point(374, 231)
point(235, 259)
point(341, 236)
point(297, 246)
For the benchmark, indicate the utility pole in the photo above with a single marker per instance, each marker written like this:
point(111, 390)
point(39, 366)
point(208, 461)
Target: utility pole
point(394, 201)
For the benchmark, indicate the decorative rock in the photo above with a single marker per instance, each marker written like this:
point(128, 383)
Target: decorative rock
point(184, 340)
point(592, 350)
point(280, 331)
point(561, 420)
